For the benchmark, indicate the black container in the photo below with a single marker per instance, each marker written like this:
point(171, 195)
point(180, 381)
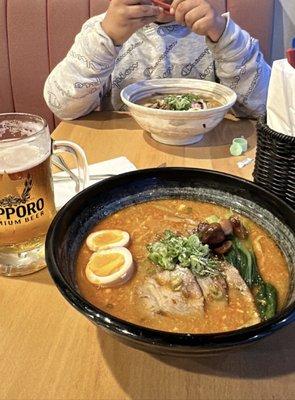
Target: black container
point(275, 162)
point(73, 222)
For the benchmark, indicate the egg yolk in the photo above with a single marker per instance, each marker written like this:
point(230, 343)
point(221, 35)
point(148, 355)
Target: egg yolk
point(107, 238)
point(106, 264)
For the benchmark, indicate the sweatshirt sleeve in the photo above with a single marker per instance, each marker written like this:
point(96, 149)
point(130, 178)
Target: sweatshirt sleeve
point(77, 84)
point(240, 65)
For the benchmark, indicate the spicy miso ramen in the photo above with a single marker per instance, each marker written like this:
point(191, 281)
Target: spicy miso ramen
point(183, 266)
point(180, 102)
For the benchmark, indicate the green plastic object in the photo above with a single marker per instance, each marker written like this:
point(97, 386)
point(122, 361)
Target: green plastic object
point(242, 142)
point(236, 149)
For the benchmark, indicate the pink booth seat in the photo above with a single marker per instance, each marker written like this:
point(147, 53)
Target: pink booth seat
point(36, 35)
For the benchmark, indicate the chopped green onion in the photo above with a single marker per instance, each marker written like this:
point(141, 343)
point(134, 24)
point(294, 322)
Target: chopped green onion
point(181, 102)
point(184, 251)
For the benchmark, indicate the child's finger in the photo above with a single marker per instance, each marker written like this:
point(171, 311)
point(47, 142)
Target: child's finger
point(143, 11)
point(200, 26)
point(183, 8)
point(194, 15)
point(176, 3)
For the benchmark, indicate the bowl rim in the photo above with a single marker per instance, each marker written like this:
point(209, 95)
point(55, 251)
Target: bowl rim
point(203, 113)
point(148, 335)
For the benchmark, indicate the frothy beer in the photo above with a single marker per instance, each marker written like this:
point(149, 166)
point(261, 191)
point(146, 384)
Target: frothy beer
point(26, 196)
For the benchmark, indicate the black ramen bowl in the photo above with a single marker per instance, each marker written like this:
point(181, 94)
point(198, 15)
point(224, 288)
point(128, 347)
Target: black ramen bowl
point(76, 218)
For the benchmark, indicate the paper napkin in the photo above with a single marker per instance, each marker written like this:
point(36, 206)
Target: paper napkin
point(281, 98)
point(65, 190)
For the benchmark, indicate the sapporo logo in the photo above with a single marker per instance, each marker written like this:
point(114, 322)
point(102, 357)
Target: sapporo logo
point(15, 206)
point(14, 199)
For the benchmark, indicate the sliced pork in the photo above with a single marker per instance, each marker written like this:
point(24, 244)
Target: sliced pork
point(172, 292)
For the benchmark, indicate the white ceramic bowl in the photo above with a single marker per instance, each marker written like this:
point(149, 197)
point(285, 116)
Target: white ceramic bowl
point(177, 127)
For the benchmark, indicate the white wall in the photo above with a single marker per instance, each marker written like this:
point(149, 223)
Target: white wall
point(284, 27)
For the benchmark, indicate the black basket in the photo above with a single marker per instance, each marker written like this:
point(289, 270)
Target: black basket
point(275, 162)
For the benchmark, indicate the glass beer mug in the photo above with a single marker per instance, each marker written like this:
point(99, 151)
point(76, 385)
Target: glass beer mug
point(26, 190)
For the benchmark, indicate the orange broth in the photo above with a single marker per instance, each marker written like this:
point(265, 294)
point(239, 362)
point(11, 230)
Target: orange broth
point(145, 222)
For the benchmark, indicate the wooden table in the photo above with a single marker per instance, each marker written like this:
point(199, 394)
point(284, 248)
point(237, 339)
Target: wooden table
point(50, 351)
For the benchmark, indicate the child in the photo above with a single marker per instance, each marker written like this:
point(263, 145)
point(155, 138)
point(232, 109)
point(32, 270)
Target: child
point(136, 40)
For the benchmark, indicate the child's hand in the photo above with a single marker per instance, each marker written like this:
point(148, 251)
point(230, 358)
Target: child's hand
point(124, 17)
point(200, 17)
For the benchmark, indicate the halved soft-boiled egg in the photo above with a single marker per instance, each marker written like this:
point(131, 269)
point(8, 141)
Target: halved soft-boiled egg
point(110, 267)
point(106, 239)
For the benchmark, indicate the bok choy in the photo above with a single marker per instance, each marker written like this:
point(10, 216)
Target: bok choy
point(265, 294)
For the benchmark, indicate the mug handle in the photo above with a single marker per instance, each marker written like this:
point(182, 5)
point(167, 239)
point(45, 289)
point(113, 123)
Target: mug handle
point(59, 146)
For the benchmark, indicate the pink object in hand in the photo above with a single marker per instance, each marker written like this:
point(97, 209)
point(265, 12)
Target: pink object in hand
point(162, 4)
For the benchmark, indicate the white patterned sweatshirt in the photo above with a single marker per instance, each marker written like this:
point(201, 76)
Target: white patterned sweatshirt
point(94, 71)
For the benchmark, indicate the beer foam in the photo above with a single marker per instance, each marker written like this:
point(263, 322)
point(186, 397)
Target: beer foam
point(20, 158)
point(14, 129)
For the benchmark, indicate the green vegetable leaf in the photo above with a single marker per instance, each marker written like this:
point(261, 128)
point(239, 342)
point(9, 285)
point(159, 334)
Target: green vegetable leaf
point(265, 299)
point(181, 102)
point(265, 294)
